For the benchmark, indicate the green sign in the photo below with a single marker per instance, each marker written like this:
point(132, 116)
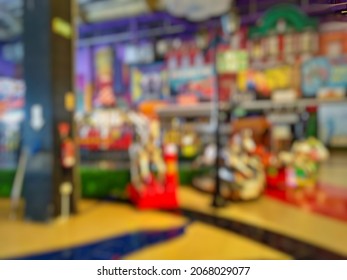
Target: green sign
point(230, 61)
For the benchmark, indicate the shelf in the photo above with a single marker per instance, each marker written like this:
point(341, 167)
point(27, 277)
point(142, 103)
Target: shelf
point(289, 118)
point(297, 104)
point(206, 109)
point(197, 110)
point(224, 129)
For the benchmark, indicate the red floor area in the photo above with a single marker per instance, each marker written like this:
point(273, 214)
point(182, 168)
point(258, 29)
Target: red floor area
point(324, 199)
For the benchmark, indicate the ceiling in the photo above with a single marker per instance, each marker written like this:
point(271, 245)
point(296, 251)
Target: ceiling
point(11, 13)
point(91, 11)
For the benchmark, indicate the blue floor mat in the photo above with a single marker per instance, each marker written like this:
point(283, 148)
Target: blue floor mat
point(113, 248)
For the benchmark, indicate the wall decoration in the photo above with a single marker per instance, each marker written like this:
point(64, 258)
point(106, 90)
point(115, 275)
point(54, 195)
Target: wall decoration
point(149, 82)
point(282, 33)
point(322, 72)
point(315, 74)
point(196, 81)
point(265, 82)
point(332, 38)
point(104, 95)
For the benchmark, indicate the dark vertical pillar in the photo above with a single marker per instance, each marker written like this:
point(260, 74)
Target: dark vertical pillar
point(49, 76)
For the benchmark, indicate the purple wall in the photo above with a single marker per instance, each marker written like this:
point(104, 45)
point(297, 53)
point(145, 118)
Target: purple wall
point(7, 69)
point(83, 65)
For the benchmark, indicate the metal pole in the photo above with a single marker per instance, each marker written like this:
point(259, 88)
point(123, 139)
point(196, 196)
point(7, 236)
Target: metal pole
point(229, 28)
point(18, 183)
point(218, 200)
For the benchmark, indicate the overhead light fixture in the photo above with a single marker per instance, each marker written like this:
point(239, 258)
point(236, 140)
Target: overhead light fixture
point(197, 10)
point(107, 10)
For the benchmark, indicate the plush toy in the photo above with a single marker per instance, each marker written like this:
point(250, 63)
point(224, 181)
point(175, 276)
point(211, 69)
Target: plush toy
point(302, 162)
point(145, 153)
point(190, 143)
point(173, 135)
point(248, 169)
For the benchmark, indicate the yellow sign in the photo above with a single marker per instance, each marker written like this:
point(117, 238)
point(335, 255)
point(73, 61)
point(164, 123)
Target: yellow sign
point(266, 81)
point(69, 101)
point(62, 27)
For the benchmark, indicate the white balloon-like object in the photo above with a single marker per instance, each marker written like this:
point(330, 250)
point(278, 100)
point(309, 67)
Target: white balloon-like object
point(197, 10)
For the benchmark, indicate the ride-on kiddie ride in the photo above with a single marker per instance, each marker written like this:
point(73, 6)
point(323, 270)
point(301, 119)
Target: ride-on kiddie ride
point(154, 171)
point(242, 174)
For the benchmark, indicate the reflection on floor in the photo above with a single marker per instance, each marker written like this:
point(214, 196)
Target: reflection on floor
point(327, 200)
point(102, 220)
point(115, 248)
point(275, 216)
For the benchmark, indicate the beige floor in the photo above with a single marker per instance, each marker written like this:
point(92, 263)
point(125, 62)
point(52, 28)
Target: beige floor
point(101, 220)
point(270, 214)
point(202, 241)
